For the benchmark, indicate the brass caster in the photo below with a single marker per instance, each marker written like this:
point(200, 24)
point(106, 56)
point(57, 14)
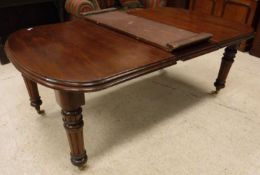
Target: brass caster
point(82, 167)
point(214, 92)
point(39, 110)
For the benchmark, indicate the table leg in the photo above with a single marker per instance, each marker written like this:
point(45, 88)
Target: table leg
point(34, 94)
point(227, 61)
point(71, 103)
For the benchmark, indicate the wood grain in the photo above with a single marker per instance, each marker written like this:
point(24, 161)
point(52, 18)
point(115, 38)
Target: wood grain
point(79, 56)
point(99, 58)
point(71, 103)
point(227, 61)
point(33, 92)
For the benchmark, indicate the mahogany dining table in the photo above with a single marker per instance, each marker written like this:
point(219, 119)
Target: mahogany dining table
point(79, 56)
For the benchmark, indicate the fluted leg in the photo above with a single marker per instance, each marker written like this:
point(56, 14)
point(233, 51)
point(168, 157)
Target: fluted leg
point(71, 103)
point(227, 61)
point(33, 92)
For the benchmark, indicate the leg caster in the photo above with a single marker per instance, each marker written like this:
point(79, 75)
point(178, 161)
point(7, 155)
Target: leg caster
point(71, 103)
point(227, 61)
point(36, 105)
point(34, 95)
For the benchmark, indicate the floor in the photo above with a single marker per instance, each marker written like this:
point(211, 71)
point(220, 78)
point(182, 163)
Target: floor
point(164, 123)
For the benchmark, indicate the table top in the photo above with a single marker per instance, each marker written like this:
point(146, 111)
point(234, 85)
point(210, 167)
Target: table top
point(82, 56)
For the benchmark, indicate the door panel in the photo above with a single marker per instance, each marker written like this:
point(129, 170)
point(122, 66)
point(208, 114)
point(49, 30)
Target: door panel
point(204, 6)
point(241, 11)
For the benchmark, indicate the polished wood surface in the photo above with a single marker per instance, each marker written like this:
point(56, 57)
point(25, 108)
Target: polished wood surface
point(223, 30)
point(95, 55)
point(99, 58)
point(171, 38)
point(80, 56)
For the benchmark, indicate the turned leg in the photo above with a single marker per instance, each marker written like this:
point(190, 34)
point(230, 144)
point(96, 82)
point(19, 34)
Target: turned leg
point(227, 61)
point(34, 95)
point(71, 103)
